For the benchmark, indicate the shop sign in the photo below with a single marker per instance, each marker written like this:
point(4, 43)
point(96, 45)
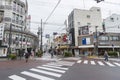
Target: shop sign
point(1, 31)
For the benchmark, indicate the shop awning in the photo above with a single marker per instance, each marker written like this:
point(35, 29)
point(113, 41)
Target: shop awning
point(86, 46)
point(92, 46)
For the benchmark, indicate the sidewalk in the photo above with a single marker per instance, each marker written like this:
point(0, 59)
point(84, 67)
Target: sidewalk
point(47, 57)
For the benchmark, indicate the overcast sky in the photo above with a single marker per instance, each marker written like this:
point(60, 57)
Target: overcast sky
point(41, 9)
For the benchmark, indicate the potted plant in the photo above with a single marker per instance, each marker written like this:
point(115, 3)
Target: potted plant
point(12, 56)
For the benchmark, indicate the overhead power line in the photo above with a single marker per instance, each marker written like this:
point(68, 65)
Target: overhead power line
point(52, 11)
point(48, 23)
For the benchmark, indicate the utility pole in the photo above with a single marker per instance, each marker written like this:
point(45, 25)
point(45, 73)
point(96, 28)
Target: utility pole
point(96, 44)
point(10, 36)
point(41, 36)
point(21, 50)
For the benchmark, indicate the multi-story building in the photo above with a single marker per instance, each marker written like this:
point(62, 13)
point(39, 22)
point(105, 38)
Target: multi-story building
point(17, 36)
point(82, 22)
point(112, 23)
point(105, 41)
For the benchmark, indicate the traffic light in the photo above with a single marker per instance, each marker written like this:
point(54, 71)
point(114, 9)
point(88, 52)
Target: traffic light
point(98, 1)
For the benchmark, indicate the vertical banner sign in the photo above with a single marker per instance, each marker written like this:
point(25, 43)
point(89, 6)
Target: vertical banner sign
point(1, 31)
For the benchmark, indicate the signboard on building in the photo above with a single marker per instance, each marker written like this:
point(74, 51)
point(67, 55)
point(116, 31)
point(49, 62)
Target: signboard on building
point(1, 31)
point(85, 41)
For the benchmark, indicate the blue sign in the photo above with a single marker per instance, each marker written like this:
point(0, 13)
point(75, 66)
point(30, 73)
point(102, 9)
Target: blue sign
point(84, 41)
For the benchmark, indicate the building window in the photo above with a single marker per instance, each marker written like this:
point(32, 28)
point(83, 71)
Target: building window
point(17, 18)
point(14, 6)
point(2, 2)
point(117, 18)
point(78, 23)
point(112, 19)
point(88, 16)
point(104, 38)
point(14, 16)
point(88, 24)
point(98, 10)
point(7, 2)
point(114, 38)
point(1, 16)
point(118, 27)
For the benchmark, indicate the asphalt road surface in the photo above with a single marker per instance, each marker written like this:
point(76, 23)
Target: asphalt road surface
point(84, 69)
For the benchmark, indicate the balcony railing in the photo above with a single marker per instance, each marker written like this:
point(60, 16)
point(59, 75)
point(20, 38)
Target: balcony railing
point(1, 7)
point(7, 19)
point(8, 7)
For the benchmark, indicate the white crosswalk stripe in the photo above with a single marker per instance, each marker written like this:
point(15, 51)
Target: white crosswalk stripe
point(51, 69)
point(108, 63)
point(92, 62)
point(36, 75)
point(79, 61)
point(46, 72)
point(101, 63)
point(16, 77)
point(55, 67)
point(85, 62)
point(41, 73)
point(63, 63)
point(53, 64)
point(117, 64)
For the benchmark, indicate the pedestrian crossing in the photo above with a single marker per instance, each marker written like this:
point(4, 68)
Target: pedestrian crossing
point(49, 71)
point(101, 63)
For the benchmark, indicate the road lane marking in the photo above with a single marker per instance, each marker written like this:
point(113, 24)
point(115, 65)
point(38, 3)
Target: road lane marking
point(117, 64)
point(86, 62)
point(46, 72)
point(79, 61)
point(15, 77)
point(55, 70)
point(93, 62)
point(100, 63)
point(55, 67)
point(108, 63)
point(36, 76)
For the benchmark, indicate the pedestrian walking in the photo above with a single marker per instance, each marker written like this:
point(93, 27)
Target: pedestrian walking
point(32, 54)
point(106, 56)
point(51, 52)
point(26, 56)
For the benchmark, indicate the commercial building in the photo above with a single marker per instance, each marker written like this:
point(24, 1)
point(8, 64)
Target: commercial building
point(16, 34)
point(88, 35)
point(105, 41)
point(112, 23)
point(81, 22)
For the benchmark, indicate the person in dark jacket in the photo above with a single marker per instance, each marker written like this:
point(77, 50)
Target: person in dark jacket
point(26, 56)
